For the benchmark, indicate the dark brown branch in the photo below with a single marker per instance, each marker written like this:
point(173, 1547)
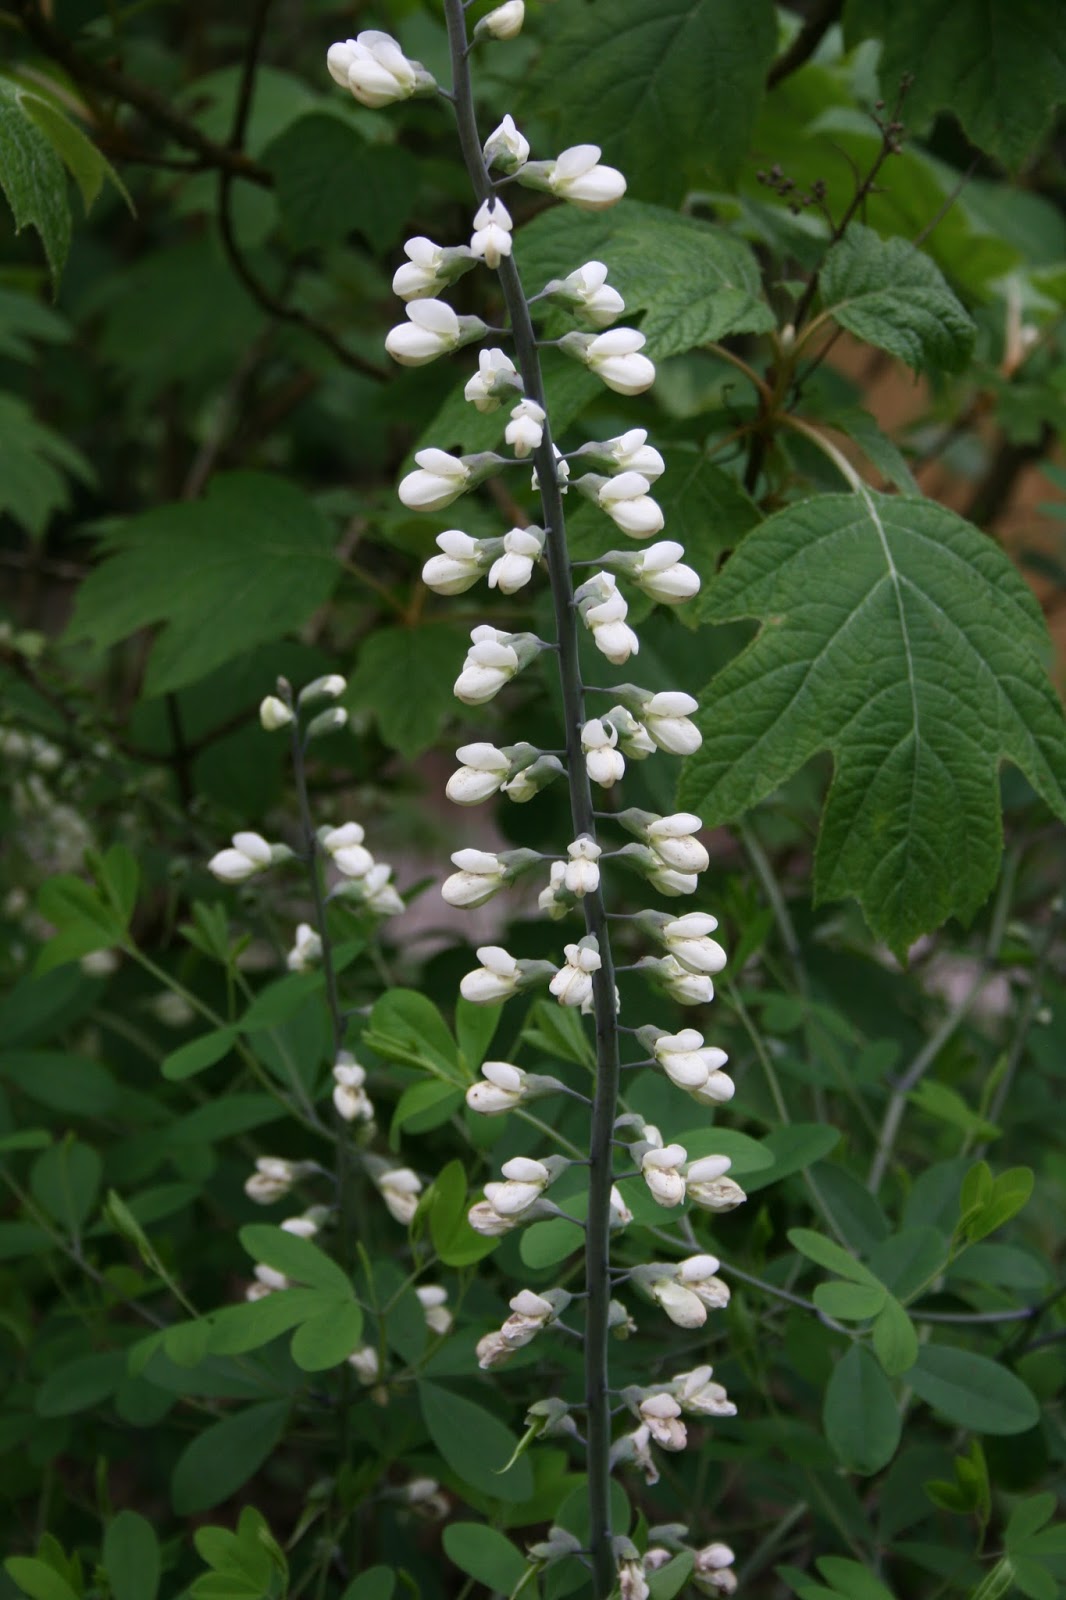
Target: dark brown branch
point(151, 105)
point(805, 43)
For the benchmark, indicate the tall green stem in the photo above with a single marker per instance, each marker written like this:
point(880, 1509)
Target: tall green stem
point(597, 1236)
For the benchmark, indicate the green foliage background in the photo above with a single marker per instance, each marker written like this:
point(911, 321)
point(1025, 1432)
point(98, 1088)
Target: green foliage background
point(200, 437)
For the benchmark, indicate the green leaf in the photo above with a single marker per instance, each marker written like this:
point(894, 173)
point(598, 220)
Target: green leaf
point(297, 1258)
point(131, 1557)
point(544, 1243)
point(947, 1105)
point(74, 1084)
point(901, 639)
point(328, 1339)
point(793, 1148)
point(669, 1581)
point(895, 1339)
point(36, 1579)
point(248, 1326)
point(826, 1253)
point(972, 1391)
point(882, 451)
point(1010, 1192)
point(475, 1029)
point(484, 1555)
point(852, 1579)
point(65, 1181)
point(256, 558)
point(861, 1417)
point(887, 293)
point(406, 1026)
point(198, 1054)
point(849, 1302)
point(999, 66)
point(280, 1001)
point(87, 165)
point(676, 86)
point(224, 1456)
point(907, 1261)
point(1028, 1517)
point(81, 1384)
point(84, 921)
point(35, 465)
point(375, 198)
point(424, 1106)
point(404, 677)
point(32, 178)
point(379, 1583)
point(474, 1445)
point(454, 1239)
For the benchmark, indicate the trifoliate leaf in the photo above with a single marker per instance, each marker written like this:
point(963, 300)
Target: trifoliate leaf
point(256, 558)
point(405, 676)
point(889, 294)
point(675, 86)
point(899, 638)
point(999, 66)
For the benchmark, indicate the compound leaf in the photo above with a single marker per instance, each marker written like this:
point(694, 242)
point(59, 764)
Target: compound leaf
point(889, 294)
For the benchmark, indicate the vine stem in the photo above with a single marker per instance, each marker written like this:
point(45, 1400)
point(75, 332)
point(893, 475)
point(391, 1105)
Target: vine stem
point(604, 1107)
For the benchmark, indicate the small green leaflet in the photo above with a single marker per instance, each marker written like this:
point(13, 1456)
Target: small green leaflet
point(901, 639)
point(887, 293)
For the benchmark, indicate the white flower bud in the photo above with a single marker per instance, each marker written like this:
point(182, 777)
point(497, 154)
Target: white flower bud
point(429, 268)
point(272, 1179)
point(380, 895)
point(525, 1180)
point(306, 951)
point(603, 609)
point(572, 984)
point(274, 714)
point(376, 70)
point(680, 1304)
point(661, 1170)
point(483, 771)
point(621, 1216)
point(686, 939)
point(555, 901)
point(505, 22)
point(687, 988)
point(631, 452)
point(562, 472)
point(634, 740)
point(663, 576)
point(603, 762)
point(698, 1274)
point(400, 1189)
point(698, 1395)
point(674, 841)
point(344, 845)
point(433, 1300)
point(327, 722)
point(588, 293)
point(331, 687)
point(662, 1416)
point(503, 1089)
point(614, 357)
point(522, 547)
point(491, 240)
point(490, 663)
point(530, 780)
point(459, 565)
point(707, 1186)
point(431, 330)
point(581, 875)
point(576, 175)
point(267, 1281)
point(496, 377)
point(300, 1227)
point(250, 854)
point(496, 979)
point(366, 1365)
point(441, 478)
point(484, 1220)
point(626, 501)
point(666, 717)
point(525, 431)
point(506, 148)
point(480, 875)
point(350, 1098)
point(632, 1584)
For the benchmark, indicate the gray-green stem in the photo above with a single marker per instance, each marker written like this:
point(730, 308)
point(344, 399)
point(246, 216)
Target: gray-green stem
point(597, 1236)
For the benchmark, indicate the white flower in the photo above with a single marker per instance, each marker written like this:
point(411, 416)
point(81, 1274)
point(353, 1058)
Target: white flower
point(503, 1089)
point(505, 22)
point(621, 1216)
point(496, 376)
point(572, 984)
point(380, 895)
point(272, 1179)
point(661, 1170)
point(635, 1447)
point(555, 901)
point(420, 276)
point(366, 1365)
point(698, 1274)
point(631, 452)
point(431, 330)
point(306, 950)
point(666, 717)
point(497, 978)
point(300, 1227)
point(480, 875)
point(603, 762)
point(628, 504)
point(433, 1299)
point(661, 1414)
point(459, 565)
point(686, 939)
point(375, 69)
point(250, 854)
point(712, 1574)
point(345, 847)
point(484, 769)
point(531, 778)
point(694, 1066)
point(274, 714)
point(349, 1094)
point(633, 738)
point(674, 841)
point(267, 1281)
point(426, 1497)
point(707, 1186)
point(614, 358)
point(491, 239)
point(576, 175)
point(680, 1304)
point(687, 988)
point(589, 293)
point(603, 609)
point(484, 1220)
point(490, 663)
point(441, 479)
point(524, 1182)
point(700, 1396)
point(513, 570)
point(663, 576)
point(525, 431)
point(530, 1313)
point(400, 1189)
point(329, 687)
point(562, 471)
point(492, 1350)
point(632, 1584)
point(581, 875)
point(506, 148)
